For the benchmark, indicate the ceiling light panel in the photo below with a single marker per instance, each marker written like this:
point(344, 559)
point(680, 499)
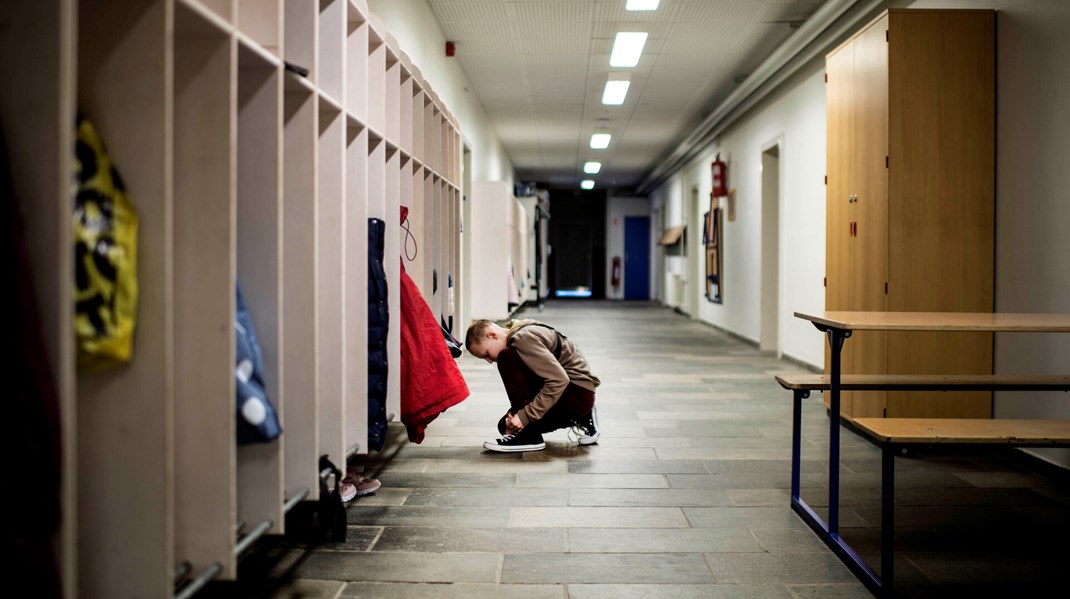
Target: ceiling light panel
point(615, 92)
point(642, 5)
point(587, 184)
point(627, 48)
point(600, 141)
point(592, 168)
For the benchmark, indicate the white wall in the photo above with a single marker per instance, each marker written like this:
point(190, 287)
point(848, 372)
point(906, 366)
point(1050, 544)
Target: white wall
point(796, 116)
point(413, 24)
point(1033, 198)
point(619, 208)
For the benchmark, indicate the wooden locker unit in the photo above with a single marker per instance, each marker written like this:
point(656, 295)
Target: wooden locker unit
point(238, 169)
point(911, 198)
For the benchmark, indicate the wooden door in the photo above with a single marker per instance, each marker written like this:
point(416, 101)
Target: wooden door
point(840, 148)
point(869, 242)
point(942, 81)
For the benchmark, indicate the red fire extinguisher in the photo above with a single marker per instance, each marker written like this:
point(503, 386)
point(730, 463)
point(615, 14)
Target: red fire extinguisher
point(616, 271)
point(720, 177)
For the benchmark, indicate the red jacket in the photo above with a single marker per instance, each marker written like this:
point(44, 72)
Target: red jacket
point(430, 379)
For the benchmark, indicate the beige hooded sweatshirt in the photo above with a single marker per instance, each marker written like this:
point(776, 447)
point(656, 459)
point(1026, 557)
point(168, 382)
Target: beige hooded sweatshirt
point(536, 345)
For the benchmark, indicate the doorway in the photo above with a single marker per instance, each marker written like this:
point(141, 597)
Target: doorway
point(637, 257)
point(770, 292)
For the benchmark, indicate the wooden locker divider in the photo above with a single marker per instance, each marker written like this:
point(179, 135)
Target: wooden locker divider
point(331, 45)
point(329, 273)
point(356, 68)
point(300, 330)
point(392, 92)
point(439, 260)
point(405, 104)
point(125, 429)
point(376, 76)
point(391, 260)
point(39, 136)
point(356, 288)
point(205, 125)
point(299, 38)
point(455, 249)
point(416, 267)
point(259, 255)
point(418, 100)
point(261, 20)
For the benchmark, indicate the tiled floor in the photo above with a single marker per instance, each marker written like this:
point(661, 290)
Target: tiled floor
point(686, 495)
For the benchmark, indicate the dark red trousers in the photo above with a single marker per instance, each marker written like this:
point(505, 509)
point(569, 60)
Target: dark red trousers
point(522, 385)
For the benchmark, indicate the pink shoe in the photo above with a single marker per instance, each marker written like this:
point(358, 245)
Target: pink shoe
point(361, 486)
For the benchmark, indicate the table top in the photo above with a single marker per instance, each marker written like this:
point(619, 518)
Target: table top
point(940, 321)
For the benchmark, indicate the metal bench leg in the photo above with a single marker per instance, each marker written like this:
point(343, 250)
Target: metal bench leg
point(796, 439)
point(887, 519)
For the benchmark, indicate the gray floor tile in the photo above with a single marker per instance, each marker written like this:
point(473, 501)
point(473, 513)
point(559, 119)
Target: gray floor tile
point(649, 497)
point(597, 517)
point(309, 589)
point(377, 590)
point(593, 481)
point(677, 591)
point(755, 568)
point(602, 567)
point(482, 540)
point(742, 517)
point(400, 567)
point(662, 540)
point(436, 516)
point(488, 497)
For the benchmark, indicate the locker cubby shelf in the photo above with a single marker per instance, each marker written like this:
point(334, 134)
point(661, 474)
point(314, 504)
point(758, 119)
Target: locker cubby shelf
point(357, 62)
point(356, 287)
point(261, 20)
point(203, 225)
point(240, 170)
point(299, 39)
point(376, 75)
point(300, 137)
point(331, 48)
point(259, 271)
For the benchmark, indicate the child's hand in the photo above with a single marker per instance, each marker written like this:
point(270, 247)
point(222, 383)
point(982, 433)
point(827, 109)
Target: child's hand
point(513, 424)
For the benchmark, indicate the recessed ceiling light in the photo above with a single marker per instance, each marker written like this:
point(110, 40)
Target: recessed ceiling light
point(627, 48)
point(587, 184)
point(600, 141)
point(615, 92)
point(592, 168)
point(642, 5)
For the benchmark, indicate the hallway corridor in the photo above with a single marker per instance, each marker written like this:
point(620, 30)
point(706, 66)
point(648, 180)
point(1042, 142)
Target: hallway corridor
point(686, 494)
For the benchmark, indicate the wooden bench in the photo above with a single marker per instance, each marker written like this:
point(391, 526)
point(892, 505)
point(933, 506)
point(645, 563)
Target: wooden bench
point(802, 384)
point(894, 433)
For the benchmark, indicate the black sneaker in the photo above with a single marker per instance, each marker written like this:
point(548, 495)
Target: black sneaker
point(587, 428)
point(516, 443)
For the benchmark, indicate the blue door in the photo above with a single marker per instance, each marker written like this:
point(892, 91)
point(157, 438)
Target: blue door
point(637, 257)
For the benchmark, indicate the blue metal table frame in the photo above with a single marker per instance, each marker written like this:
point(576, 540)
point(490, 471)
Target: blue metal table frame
point(829, 532)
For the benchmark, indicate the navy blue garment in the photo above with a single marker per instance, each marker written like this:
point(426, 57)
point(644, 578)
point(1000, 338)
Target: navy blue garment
point(257, 420)
point(378, 325)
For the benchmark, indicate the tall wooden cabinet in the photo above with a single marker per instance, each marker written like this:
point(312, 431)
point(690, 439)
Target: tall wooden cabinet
point(910, 103)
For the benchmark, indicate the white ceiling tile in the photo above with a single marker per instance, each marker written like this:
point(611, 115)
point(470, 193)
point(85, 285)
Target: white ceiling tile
point(538, 68)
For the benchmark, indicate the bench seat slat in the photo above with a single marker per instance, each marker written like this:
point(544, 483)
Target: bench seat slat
point(927, 382)
point(966, 430)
